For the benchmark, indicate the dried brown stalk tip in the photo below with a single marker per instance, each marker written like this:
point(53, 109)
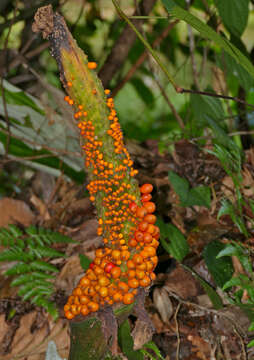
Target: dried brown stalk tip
point(43, 21)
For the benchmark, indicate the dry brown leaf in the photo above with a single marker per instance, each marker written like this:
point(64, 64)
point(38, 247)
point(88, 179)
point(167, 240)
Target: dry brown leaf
point(70, 274)
point(28, 345)
point(41, 207)
point(248, 182)
point(15, 211)
point(182, 283)
point(163, 303)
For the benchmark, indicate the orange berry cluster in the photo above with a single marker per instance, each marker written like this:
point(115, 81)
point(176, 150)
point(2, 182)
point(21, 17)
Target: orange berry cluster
point(126, 219)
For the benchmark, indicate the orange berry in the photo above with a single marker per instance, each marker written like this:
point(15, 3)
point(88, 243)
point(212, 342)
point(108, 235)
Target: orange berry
point(150, 218)
point(128, 298)
point(131, 274)
point(132, 243)
point(154, 260)
point(151, 250)
point(123, 287)
point(103, 281)
point(69, 315)
point(147, 238)
point(100, 253)
point(93, 306)
point(84, 299)
point(133, 283)
point(116, 272)
point(137, 259)
point(146, 188)
point(66, 307)
point(143, 226)
point(145, 281)
point(69, 84)
point(92, 65)
point(140, 274)
point(131, 264)
point(125, 255)
point(138, 236)
point(103, 291)
point(84, 281)
point(117, 297)
point(84, 310)
point(116, 254)
point(152, 276)
point(146, 197)
point(141, 212)
point(149, 206)
point(77, 291)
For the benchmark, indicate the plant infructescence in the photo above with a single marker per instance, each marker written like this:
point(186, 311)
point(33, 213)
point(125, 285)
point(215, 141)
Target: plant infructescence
point(126, 261)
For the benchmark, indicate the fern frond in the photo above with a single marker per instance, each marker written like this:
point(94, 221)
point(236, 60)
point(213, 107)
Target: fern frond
point(43, 266)
point(16, 254)
point(15, 230)
point(17, 269)
point(44, 251)
point(6, 237)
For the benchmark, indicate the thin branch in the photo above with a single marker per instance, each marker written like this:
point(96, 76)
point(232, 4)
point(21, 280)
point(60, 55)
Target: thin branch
point(177, 331)
point(142, 58)
point(226, 97)
point(175, 113)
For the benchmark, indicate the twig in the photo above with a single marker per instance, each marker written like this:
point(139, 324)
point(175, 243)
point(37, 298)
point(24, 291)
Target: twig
point(148, 17)
point(177, 331)
point(192, 56)
point(226, 97)
point(142, 58)
point(173, 109)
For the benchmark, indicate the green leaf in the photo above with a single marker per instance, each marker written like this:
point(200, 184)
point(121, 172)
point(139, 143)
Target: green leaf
point(234, 14)
point(206, 106)
point(20, 98)
point(22, 279)
point(84, 261)
point(213, 296)
point(221, 268)
point(250, 344)
point(208, 33)
point(17, 269)
point(44, 251)
point(177, 245)
point(144, 92)
point(43, 266)
point(56, 237)
point(126, 342)
point(200, 195)
point(15, 230)
point(180, 185)
point(235, 70)
point(152, 346)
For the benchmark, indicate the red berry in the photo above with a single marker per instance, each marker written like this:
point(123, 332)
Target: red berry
point(133, 206)
point(108, 267)
point(91, 266)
